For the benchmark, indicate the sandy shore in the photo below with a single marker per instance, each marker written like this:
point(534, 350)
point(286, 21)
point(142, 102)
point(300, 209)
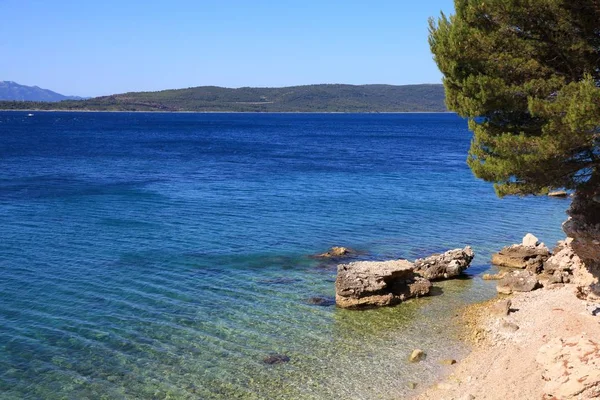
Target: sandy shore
point(547, 347)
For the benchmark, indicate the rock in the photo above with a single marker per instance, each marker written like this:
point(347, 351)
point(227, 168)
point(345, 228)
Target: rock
point(517, 281)
point(571, 368)
point(548, 280)
point(593, 309)
point(276, 359)
point(530, 241)
point(336, 252)
point(448, 362)
point(523, 257)
point(558, 193)
point(416, 356)
point(443, 266)
point(412, 385)
point(320, 301)
point(419, 287)
point(501, 307)
point(377, 283)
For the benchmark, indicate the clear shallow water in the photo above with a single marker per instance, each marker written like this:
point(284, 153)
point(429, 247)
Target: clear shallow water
point(165, 255)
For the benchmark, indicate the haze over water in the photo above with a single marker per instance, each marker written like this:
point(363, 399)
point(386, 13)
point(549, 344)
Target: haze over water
point(166, 255)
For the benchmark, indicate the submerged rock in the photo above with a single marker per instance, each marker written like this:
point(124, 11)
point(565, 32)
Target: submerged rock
point(494, 277)
point(447, 265)
point(276, 359)
point(518, 281)
point(337, 252)
point(320, 301)
point(377, 283)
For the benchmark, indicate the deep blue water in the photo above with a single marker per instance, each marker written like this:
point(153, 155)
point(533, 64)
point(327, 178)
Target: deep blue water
point(165, 255)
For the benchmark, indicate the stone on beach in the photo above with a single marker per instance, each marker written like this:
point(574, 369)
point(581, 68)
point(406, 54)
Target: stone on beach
point(416, 356)
point(377, 283)
point(501, 307)
point(448, 361)
point(447, 265)
point(517, 281)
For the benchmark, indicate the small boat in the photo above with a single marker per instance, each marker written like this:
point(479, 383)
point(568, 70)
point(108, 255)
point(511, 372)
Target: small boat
point(30, 115)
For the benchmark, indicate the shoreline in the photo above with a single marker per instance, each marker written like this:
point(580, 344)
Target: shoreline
point(509, 357)
point(231, 112)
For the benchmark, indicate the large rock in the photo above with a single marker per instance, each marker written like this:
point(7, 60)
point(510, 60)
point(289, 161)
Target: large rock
point(523, 256)
point(517, 281)
point(571, 368)
point(447, 265)
point(377, 283)
point(583, 226)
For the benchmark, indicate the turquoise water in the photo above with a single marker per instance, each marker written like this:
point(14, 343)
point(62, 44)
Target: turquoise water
point(164, 256)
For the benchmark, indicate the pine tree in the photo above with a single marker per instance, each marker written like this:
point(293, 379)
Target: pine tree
point(527, 75)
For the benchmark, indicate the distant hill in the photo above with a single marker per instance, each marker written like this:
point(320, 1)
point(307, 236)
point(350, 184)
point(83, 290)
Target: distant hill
point(13, 91)
point(310, 98)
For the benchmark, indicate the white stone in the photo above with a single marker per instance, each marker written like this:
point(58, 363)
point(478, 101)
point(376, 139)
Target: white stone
point(530, 241)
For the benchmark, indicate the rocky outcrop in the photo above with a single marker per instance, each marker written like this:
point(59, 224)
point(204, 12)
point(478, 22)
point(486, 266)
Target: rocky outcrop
point(529, 255)
point(583, 226)
point(546, 268)
point(377, 283)
point(563, 266)
point(517, 281)
point(447, 265)
point(571, 368)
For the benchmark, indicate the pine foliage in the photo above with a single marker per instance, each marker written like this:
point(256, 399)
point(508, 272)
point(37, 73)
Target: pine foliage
point(527, 75)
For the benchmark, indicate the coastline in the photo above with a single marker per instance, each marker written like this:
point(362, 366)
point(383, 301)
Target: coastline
point(232, 112)
point(509, 359)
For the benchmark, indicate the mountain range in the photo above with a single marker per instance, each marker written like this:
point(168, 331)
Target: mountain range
point(13, 91)
point(308, 98)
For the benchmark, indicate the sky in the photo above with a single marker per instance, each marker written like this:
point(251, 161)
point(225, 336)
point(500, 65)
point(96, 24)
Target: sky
point(101, 47)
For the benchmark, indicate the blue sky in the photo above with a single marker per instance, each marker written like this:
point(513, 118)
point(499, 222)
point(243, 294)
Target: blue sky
point(91, 48)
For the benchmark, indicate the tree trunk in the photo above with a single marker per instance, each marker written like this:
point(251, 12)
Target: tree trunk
point(583, 226)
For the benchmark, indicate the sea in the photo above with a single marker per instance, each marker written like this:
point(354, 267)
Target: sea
point(166, 256)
